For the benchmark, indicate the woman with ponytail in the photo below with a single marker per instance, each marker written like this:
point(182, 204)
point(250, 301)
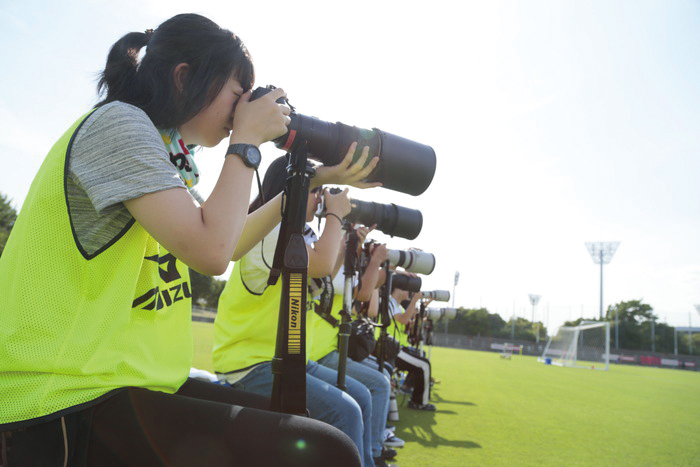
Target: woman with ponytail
point(95, 297)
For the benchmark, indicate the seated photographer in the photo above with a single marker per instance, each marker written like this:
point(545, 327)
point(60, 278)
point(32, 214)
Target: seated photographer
point(246, 323)
point(95, 302)
point(325, 348)
point(409, 359)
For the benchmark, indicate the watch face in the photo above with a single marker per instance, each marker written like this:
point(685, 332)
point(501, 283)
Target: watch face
point(253, 156)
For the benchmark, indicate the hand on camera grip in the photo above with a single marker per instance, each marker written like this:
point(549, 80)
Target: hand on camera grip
point(261, 120)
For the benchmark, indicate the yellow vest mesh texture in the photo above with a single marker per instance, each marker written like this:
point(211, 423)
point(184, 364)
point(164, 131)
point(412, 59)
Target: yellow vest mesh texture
point(68, 332)
point(245, 329)
point(325, 335)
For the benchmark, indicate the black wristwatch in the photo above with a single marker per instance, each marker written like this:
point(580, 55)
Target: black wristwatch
point(248, 152)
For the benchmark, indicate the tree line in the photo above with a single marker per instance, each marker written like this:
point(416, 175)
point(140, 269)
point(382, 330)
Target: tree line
point(635, 322)
point(636, 319)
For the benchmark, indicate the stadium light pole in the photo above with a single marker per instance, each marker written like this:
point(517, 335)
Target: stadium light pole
point(454, 288)
point(690, 333)
point(534, 299)
point(602, 253)
point(690, 329)
point(675, 340)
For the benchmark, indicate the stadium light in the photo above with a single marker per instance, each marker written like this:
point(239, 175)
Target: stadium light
point(454, 290)
point(690, 329)
point(602, 253)
point(534, 300)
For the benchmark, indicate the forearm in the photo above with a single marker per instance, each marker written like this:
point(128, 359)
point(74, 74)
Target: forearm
point(369, 281)
point(324, 253)
point(340, 259)
point(203, 237)
point(403, 318)
point(224, 213)
point(373, 308)
point(258, 224)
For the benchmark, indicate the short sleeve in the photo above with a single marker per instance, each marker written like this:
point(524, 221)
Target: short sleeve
point(118, 155)
point(394, 307)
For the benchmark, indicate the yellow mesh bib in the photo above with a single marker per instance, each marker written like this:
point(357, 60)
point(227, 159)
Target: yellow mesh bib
point(325, 335)
point(73, 329)
point(245, 329)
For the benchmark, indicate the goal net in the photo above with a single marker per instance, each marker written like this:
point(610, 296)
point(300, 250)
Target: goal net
point(584, 346)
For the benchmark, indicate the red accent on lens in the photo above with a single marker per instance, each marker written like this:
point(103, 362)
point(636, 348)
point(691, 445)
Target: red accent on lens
point(290, 140)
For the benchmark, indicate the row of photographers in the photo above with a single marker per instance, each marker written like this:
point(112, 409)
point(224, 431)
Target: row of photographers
point(95, 302)
point(247, 321)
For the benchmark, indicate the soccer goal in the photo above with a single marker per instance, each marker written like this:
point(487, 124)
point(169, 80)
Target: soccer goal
point(584, 346)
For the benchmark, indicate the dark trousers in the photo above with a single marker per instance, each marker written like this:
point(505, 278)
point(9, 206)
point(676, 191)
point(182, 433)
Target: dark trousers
point(418, 368)
point(202, 424)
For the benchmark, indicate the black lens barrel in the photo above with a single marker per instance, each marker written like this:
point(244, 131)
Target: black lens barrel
point(393, 220)
point(408, 283)
point(404, 165)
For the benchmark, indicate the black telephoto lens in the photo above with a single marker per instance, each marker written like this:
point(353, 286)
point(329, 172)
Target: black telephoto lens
point(393, 220)
point(404, 282)
point(404, 165)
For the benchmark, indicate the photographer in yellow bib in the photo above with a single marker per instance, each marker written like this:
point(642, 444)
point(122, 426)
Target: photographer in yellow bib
point(95, 297)
point(247, 316)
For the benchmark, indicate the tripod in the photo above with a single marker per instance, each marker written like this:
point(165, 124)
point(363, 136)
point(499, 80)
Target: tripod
point(384, 318)
point(345, 327)
point(416, 334)
point(291, 261)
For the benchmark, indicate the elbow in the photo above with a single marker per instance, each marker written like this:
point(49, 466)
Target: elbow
point(401, 319)
point(363, 296)
point(316, 271)
point(212, 266)
point(236, 256)
point(213, 270)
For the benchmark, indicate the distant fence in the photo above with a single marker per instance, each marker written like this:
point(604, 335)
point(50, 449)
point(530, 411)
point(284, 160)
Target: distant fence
point(630, 357)
point(494, 344)
point(203, 314)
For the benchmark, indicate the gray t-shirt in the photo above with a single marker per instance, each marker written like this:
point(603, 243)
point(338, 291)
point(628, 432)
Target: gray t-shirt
point(117, 155)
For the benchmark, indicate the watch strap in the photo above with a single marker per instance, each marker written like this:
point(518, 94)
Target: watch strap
point(243, 151)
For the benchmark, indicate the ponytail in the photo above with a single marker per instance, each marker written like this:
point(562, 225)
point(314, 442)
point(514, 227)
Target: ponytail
point(119, 80)
point(213, 55)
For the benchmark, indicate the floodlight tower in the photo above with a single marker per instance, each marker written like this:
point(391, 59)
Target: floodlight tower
point(454, 289)
point(690, 329)
point(534, 299)
point(602, 253)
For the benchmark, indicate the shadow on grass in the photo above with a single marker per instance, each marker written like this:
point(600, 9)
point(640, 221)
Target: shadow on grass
point(435, 398)
point(439, 400)
point(418, 426)
point(419, 429)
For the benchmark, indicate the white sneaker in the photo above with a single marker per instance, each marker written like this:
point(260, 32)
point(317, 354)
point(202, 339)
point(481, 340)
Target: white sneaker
point(392, 440)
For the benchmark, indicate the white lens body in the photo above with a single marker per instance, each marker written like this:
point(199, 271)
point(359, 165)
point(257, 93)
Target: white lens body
point(438, 295)
point(440, 313)
point(415, 261)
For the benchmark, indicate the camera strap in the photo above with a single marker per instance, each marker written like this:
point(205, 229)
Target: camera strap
point(324, 305)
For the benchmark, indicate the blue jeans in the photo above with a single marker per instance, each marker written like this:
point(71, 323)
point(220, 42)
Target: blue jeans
point(371, 362)
point(380, 389)
point(349, 412)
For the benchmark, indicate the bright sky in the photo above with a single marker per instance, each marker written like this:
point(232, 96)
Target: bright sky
point(555, 123)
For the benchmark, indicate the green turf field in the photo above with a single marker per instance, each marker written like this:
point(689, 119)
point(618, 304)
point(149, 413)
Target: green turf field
point(518, 412)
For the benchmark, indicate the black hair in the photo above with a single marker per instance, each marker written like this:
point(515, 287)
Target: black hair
point(273, 183)
point(213, 54)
